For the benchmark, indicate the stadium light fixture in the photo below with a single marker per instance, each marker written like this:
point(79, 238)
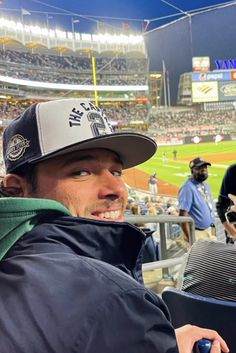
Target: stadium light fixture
point(19, 26)
point(60, 34)
point(102, 38)
point(44, 31)
point(52, 33)
point(86, 37)
point(35, 30)
point(70, 35)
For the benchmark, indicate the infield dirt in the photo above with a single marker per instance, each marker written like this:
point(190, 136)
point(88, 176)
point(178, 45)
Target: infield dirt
point(139, 179)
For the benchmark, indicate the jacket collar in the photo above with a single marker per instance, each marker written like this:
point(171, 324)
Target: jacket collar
point(118, 244)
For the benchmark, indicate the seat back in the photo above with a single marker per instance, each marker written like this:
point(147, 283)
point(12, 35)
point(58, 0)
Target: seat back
point(186, 308)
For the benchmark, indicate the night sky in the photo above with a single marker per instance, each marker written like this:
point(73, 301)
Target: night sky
point(116, 14)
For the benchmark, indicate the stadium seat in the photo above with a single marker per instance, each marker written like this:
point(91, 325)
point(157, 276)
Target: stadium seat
point(186, 308)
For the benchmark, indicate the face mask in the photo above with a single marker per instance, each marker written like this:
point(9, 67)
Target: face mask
point(201, 177)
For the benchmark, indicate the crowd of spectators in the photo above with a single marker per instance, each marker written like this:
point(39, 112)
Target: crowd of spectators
point(127, 114)
point(191, 123)
point(78, 63)
point(73, 69)
point(140, 205)
point(165, 125)
point(123, 115)
point(55, 76)
point(10, 110)
point(151, 205)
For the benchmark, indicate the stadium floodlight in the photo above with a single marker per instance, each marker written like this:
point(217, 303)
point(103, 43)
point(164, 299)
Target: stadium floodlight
point(19, 26)
point(118, 38)
point(101, 38)
point(27, 29)
point(51, 33)
point(86, 37)
point(135, 39)
point(44, 31)
point(124, 39)
point(9, 24)
point(110, 39)
point(35, 30)
point(77, 36)
point(60, 34)
point(70, 35)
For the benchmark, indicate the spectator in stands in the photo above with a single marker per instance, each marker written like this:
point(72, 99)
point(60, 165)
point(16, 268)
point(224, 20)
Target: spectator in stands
point(153, 184)
point(195, 200)
point(62, 273)
point(228, 186)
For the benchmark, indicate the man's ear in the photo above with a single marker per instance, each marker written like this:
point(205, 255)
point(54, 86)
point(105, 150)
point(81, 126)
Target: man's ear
point(14, 185)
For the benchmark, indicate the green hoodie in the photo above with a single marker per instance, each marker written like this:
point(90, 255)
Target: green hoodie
point(19, 215)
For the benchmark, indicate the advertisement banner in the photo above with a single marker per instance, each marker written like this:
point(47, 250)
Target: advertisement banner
point(204, 92)
point(227, 91)
point(233, 75)
point(212, 76)
point(206, 138)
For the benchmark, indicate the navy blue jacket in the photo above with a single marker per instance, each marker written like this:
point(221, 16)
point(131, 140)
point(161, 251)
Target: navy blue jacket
point(75, 285)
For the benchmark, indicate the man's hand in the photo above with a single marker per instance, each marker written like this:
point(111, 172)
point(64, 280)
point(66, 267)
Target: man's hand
point(187, 336)
point(233, 198)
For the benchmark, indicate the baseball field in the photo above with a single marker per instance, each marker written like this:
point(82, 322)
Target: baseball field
point(172, 173)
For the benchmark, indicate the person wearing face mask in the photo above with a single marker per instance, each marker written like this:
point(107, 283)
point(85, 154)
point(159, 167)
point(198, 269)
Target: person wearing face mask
point(195, 200)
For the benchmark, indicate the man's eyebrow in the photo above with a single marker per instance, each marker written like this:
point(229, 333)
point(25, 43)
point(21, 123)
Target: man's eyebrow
point(88, 157)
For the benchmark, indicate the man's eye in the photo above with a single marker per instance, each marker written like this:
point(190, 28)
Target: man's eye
point(117, 173)
point(81, 173)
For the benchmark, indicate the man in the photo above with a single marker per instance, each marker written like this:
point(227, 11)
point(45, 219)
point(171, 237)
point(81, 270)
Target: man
point(195, 200)
point(153, 184)
point(70, 273)
point(228, 186)
point(174, 154)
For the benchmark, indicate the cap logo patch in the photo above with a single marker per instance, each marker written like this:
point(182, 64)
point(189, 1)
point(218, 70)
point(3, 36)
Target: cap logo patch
point(98, 126)
point(16, 147)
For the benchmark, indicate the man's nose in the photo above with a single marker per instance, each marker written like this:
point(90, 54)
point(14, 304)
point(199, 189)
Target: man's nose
point(111, 186)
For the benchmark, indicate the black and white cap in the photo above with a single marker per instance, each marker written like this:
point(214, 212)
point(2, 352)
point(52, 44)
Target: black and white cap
point(54, 128)
point(198, 162)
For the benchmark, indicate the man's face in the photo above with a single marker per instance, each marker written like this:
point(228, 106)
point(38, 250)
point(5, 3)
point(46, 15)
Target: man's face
point(200, 173)
point(89, 183)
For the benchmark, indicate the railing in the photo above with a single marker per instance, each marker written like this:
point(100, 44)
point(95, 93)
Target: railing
point(162, 220)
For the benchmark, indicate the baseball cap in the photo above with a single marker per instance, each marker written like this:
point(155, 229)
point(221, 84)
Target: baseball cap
point(198, 162)
point(53, 128)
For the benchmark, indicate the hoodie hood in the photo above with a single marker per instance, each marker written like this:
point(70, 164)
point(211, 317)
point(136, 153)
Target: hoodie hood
point(20, 215)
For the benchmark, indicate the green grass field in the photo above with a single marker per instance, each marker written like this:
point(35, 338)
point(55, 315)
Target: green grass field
point(176, 172)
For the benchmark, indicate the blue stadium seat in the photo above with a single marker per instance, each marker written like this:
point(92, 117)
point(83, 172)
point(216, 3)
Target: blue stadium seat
point(186, 308)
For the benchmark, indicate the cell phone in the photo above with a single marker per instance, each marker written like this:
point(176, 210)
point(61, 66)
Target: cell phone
point(230, 217)
point(203, 346)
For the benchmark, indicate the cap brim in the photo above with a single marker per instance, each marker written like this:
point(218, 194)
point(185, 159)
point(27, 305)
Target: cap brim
point(207, 163)
point(132, 148)
point(201, 164)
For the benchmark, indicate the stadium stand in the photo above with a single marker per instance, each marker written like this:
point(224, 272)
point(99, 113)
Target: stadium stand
point(129, 110)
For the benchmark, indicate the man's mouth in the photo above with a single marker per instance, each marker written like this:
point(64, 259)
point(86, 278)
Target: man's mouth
point(109, 215)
